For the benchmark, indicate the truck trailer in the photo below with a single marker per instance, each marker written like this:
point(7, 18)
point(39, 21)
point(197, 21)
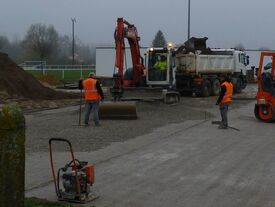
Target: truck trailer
point(198, 69)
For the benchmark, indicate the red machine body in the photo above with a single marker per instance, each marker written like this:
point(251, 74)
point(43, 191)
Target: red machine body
point(90, 172)
point(265, 106)
point(126, 30)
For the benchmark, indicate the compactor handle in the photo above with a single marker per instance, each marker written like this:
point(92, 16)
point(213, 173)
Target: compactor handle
point(52, 165)
point(59, 140)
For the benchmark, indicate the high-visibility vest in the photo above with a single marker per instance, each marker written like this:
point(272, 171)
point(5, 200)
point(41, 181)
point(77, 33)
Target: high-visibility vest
point(90, 91)
point(227, 98)
point(161, 65)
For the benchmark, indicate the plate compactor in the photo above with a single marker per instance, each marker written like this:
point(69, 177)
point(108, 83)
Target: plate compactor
point(77, 178)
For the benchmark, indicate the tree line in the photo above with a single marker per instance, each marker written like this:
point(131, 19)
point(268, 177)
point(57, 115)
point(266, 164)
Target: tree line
point(44, 43)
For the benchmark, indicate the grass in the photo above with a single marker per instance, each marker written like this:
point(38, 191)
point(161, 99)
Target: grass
point(35, 202)
point(68, 74)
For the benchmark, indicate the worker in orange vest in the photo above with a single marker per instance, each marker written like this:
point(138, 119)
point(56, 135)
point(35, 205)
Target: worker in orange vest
point(224, 100)
point(93, 95)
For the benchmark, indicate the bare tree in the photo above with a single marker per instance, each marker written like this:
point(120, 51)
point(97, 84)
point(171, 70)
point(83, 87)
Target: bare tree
point(159, 40)
point(65, 50)
point(41, 40)
point(4, 42)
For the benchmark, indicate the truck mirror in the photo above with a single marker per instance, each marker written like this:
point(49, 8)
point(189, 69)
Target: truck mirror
point(247, 60)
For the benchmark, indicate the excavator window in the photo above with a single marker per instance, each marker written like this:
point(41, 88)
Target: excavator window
point(268, 83)
point(157, 66)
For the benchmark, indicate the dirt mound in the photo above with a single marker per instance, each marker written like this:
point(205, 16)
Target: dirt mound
point(16, 83)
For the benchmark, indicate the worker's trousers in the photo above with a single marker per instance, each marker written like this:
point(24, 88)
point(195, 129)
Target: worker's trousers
point(94, 107)
point(224, 111)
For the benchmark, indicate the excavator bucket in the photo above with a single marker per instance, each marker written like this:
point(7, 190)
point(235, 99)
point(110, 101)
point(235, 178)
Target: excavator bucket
point(118, 110)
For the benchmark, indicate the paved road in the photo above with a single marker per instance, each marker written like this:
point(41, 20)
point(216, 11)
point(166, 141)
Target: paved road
point(187, 164)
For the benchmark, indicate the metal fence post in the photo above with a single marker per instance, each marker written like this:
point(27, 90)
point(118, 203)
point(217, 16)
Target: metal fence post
point(63, 73)
point(12, 156)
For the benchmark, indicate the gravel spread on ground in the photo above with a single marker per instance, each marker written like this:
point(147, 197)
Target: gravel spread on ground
point(43, 125)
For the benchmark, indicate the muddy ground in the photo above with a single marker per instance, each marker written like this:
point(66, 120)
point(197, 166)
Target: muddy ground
point(63, 122)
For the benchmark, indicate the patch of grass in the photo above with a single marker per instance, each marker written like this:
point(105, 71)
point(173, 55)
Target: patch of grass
point(36, 202)
point(59, 75)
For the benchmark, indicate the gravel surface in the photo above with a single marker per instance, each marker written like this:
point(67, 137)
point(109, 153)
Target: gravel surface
point(63, 122)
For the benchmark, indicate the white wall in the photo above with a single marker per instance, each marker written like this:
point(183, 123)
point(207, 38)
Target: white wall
point(105, 60)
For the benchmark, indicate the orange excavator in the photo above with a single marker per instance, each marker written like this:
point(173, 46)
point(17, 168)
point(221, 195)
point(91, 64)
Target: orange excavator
point(133, 83)
point(130, 84)
point(265, 106)
point(130, 78)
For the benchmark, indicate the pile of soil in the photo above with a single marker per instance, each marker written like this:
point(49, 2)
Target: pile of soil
point(16, 83)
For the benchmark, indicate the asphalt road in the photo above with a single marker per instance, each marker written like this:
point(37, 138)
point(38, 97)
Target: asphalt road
point(190, 164)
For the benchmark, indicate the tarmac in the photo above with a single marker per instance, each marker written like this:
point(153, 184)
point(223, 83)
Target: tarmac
point(190, 164)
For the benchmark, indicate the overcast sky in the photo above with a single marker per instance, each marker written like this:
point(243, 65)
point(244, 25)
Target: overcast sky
point(225, 22)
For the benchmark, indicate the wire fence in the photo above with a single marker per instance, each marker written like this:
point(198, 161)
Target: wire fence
point(61, 72)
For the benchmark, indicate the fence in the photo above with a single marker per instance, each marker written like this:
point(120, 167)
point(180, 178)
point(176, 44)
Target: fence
point(61, 72)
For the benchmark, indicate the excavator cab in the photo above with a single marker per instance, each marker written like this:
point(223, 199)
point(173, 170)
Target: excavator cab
point(159, 64)
point(265, 106)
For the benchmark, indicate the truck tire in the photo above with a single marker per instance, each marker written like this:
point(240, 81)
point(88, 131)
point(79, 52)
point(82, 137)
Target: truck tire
point(205, 89)
point(215, 89)
point(238, 86)
point(186, 93)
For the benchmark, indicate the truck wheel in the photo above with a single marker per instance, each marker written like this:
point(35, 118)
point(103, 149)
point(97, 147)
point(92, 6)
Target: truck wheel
point(215, 90)
point(238, 86)
point(205, 89)
point(186, 93)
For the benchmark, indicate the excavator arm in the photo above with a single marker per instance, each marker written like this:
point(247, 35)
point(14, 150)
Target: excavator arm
point(126, 30)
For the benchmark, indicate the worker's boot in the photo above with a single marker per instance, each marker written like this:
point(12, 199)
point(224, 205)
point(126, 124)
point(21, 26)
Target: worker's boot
point(97, 124)
point(223, 127)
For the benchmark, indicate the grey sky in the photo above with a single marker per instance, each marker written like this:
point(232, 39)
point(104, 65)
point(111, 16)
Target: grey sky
point(225, 22)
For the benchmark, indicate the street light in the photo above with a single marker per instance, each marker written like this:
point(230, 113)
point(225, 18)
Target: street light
point(73, 21)
point(188, 37)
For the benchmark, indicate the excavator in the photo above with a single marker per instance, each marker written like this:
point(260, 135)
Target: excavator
point(140, 77)
point(132, 84)
point(265, 106)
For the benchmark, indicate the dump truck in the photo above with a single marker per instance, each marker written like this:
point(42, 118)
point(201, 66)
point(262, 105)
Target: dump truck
point(199, 68)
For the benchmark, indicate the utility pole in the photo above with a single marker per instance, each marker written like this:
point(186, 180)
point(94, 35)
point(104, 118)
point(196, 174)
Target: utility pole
point(188, 36)
point(73, 21)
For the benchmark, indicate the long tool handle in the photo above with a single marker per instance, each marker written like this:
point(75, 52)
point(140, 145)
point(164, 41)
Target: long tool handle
point(80, 108)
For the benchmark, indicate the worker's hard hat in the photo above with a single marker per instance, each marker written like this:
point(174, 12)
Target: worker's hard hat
point(91, 74)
